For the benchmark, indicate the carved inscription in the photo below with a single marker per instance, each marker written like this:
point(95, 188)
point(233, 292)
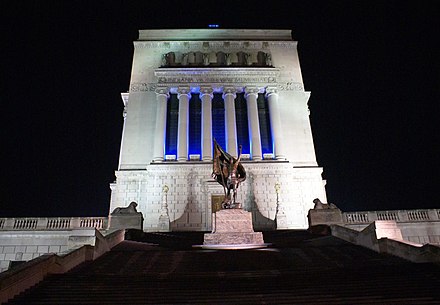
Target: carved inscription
point(290, 86)
point(142, 87)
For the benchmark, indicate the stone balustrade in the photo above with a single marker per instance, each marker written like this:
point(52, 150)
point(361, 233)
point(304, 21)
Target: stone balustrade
point(396, 215)
point(52, 223)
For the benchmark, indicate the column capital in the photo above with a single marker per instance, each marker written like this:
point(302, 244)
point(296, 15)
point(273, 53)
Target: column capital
point(229, 91)
point(251, 91)
point(206, 90)
point(162, 91)
point(184, 91)
point(271, 90)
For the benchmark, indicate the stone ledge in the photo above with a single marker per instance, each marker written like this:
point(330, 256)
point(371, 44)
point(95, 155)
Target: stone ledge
point(233, 238)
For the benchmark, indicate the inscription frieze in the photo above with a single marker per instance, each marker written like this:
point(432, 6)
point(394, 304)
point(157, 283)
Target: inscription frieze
point(217, 76)
point(152, 87)
point(172, 80)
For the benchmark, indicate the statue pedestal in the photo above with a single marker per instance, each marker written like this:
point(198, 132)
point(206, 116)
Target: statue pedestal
point(232, 228)
point(126, 221)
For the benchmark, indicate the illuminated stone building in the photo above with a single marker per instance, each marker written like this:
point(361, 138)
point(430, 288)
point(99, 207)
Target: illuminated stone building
point(240, 87)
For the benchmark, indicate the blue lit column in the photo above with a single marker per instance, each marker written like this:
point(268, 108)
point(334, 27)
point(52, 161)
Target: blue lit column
point(182, 125)
point(253, 122)
point(229, 94)
point(161, 123)
point(206, 97)
point(275, 123)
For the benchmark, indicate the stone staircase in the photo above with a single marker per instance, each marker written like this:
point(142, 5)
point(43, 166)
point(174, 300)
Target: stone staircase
point(299, 268)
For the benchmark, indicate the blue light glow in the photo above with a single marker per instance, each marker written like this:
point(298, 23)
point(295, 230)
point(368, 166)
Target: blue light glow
point(213, 25)
point(194, 125)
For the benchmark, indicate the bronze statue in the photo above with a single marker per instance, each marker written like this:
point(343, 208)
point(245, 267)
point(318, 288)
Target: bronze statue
point(229, 172)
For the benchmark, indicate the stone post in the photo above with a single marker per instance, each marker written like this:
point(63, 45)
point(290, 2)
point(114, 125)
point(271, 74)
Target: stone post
point(275, 123)
point(206, 128)
point(280, 217)
point(229, 95)
point(161, 123)
point(182, 126)
point(164, 218)
point(253, 122)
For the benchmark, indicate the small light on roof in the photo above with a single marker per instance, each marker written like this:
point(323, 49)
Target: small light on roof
point(213, 25)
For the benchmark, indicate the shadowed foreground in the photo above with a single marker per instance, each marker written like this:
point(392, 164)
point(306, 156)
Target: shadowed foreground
point(299, 268)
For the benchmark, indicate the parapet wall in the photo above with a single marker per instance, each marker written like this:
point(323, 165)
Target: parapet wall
point(23, 239)
point(417, 226)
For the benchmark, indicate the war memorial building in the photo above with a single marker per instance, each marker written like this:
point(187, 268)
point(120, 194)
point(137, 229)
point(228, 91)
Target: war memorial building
point(243, 90)
point(240, 87)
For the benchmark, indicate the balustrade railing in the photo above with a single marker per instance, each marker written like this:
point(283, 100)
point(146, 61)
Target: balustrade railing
point(387, 215)
point(396, 215)
point(418, 215)
point(356, 217)
point(52, 223)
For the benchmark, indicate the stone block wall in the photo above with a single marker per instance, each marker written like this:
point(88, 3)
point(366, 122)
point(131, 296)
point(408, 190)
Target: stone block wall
point(191, 188)
point(27, 245)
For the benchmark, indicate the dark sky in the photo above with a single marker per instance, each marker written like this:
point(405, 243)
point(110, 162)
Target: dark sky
point(372, 68)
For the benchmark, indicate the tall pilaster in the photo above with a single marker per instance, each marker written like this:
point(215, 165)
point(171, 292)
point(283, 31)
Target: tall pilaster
point(229, 95)
point(206, 96)
point(182, 125)
point(253, 122)
point(275, 123)
point(161, 123)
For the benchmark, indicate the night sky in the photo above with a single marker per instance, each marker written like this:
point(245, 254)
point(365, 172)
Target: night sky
point(372, 68)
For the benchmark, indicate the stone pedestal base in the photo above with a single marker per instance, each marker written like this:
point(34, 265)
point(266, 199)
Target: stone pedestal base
point(126, 221)
point(233, 227)
point(281, 221)
point(325, 217)
point(164, 223)
point(233, 238)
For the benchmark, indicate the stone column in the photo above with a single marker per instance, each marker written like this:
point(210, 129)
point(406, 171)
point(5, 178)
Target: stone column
point(161, 123)
point(183, 123)
point(206, 128)
point(229, 95)
point(275, 123)
point(253, 122)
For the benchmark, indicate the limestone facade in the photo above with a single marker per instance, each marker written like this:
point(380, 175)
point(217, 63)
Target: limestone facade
point(252, 64)
point(189, 198)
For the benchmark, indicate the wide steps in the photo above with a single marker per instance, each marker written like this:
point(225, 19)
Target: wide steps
point(306, 269)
